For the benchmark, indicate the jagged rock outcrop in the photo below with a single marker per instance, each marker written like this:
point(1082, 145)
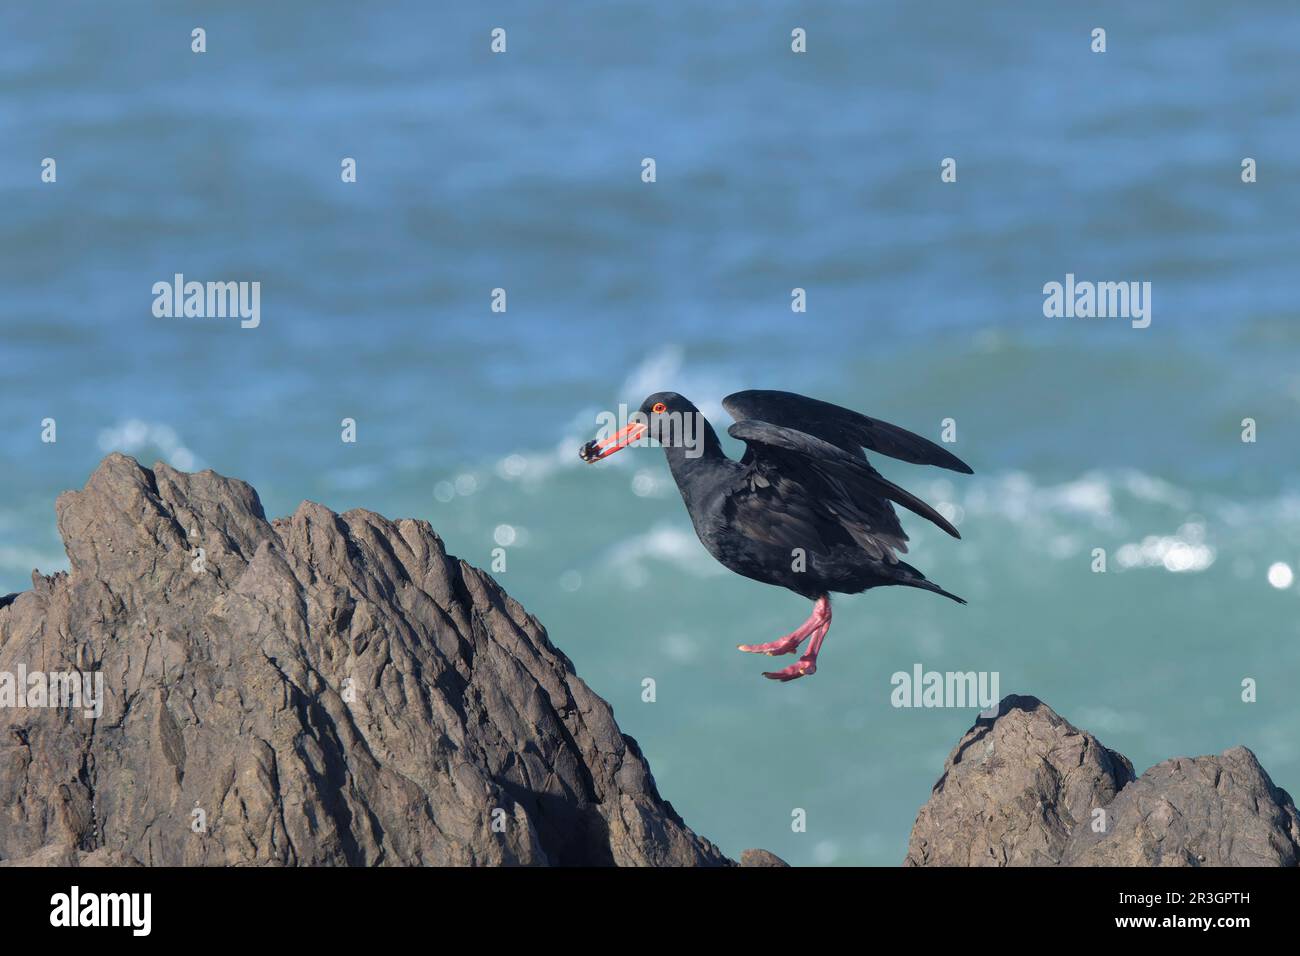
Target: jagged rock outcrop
point(1012, 790)
point(316, 690)
point(1195, 811)
point(1028, 788)
point(761, 858)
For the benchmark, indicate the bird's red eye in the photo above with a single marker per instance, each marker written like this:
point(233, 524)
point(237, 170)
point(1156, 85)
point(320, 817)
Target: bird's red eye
point(659, 408)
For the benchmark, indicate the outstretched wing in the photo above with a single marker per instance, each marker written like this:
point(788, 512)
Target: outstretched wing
point(808, 490)
point(841, 427)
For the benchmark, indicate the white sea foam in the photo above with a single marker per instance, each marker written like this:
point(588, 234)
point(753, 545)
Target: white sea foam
point(669, 544)
point(1148, 488)
point(1171, 552)
point(1143, 521)
point(657, 368)
point(1017, 497)
point(661, 370)
point(665, 369)
point(1127, 512)
point(136, 435)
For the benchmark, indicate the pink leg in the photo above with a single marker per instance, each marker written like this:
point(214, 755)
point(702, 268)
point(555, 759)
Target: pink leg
point(808, 663)
point(821, 615)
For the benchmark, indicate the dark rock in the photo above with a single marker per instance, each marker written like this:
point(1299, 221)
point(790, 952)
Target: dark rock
point(318, 690)
point(55, 854)
point(1195, 811)
point(1029, 788)
point(761, 858)
point(1012, 790)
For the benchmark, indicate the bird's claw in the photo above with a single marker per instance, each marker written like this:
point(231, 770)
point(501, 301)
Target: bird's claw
point(800, 668)
point(786, 645)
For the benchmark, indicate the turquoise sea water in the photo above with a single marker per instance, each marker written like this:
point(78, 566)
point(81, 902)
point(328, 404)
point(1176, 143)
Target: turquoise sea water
point(774, 171)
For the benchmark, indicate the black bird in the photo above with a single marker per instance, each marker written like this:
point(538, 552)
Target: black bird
point(803, 508)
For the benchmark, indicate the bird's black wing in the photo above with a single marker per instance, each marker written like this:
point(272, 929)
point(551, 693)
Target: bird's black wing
point(840, 427)
point(837, 482)
point(778, 499)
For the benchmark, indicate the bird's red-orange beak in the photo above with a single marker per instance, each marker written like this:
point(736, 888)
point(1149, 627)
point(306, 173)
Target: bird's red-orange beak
point(595, 451)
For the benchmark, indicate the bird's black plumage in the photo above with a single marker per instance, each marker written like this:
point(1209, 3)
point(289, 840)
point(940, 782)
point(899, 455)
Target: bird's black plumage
point(841, 427)
point(803, 508)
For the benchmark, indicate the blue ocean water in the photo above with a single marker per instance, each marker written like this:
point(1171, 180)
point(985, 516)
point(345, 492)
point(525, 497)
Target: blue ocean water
point(819, 171)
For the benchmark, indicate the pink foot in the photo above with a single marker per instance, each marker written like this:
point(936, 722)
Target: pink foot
point(801, 668)
point(816, 626)
point(786, 645)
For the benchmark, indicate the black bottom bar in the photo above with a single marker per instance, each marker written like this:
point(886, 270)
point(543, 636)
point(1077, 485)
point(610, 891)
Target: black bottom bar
point(331, 907)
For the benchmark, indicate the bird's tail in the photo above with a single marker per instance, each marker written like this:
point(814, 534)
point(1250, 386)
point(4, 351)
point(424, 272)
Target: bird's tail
point(910, 577)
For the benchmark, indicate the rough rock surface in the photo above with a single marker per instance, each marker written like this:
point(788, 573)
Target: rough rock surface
point(316, 690)
point(1199, 811)
point(1024, 788)
point(761, 858)
point(1012, 790)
